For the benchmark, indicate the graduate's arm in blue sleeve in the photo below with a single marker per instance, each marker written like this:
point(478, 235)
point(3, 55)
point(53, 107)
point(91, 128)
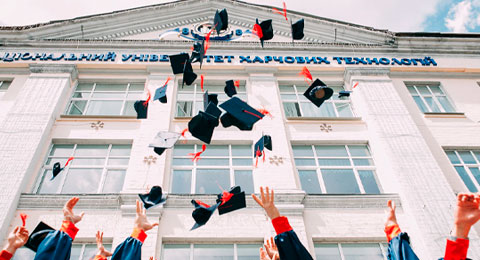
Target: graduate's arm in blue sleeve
point(288, 244)
point(58, 244)
point(131, 248)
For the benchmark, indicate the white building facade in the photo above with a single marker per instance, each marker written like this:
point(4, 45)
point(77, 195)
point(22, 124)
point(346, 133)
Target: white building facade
point(408, 132)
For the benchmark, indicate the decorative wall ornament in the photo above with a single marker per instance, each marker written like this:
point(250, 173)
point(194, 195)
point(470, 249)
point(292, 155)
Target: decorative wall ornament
point(326, 128)
point(150, 159)
point(276, 160)
point(97, 125)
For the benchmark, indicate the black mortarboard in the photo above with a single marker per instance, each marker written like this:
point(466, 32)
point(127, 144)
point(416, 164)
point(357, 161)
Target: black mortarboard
point(177, 62)
point(239, 114)
point(207, 98)
point(141, 108)
point(236, 201)
point(188, 75)
point(213, 110)
point(38, 235)
point(202, 213)
point(56, 170)
point(264, 142)
point(297, 29)
point(161, 94)
point(230, 89)
point(267, 30)
point(154, 197)
point(198, 52)
point(344, 93)
point(202, 125)
point(220, 21)
point(318, 92)
point(164, 140)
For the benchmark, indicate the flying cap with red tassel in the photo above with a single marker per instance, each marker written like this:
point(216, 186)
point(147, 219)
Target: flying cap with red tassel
point(257, 30)
point(196, 156)
point(284, 13)
point(306, 74)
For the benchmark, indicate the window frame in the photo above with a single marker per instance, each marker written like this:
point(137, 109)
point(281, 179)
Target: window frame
point(434, 97)
point(104, 167)
point(298, 101)
point(90, 97)
point(355, 168)
point(466, 166)
point(194, 167)
point(192, 246)
point(383, 247)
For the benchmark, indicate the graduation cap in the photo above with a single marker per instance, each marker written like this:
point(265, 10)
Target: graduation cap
point(177, 62)
point(164, 140)
point(264, 30)
point(154, 197)
point(318, 92)
point(265, 142)
point(202, 213)
point(207, 98)
point(161, 92)
point(230, 89)
point(220, 20)
point(38, 235)
point(202, 125)
point(57, 168)
point(188, 75)
point(297, 29)
point(141, 107)
point(198, 52)
point(231, 200)
point(344, 93)
point(239, 114)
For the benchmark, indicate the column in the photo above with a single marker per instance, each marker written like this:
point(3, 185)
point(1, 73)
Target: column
point(26, 128)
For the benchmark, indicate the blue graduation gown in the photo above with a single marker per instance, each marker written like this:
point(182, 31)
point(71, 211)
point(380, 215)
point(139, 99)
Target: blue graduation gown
point(290, 247)
point(57, 245)
point(130, 249)
point(399, 248)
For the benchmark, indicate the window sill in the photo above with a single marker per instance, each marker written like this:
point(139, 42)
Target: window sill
point(444, 115)
point(90, 117)
point(356, 119)
point(182, 118)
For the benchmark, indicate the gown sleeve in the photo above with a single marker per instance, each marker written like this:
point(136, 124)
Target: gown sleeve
point(131, 248)
point(5, 255)
point(289, 246)
point(456, 250)
point(58, 244)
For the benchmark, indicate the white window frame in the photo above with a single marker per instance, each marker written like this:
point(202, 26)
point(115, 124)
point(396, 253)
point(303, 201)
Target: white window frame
point(4, 90)
point(432, 95)
point(194, 90)
point(467, 166)
point(299, 101)
point(192, 245)
point(90, 97)
point(352, 166)
point(195, 166)
point(63, 175)
point(383, 247)
point(108, 246)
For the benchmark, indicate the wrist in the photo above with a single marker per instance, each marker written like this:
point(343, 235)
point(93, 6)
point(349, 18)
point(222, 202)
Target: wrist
point(461, 231)
point(11, 249)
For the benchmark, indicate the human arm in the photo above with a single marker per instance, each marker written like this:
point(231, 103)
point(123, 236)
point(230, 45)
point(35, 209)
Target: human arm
point(15, 240)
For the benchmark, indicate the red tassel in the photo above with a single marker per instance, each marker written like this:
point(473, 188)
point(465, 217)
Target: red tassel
point(149, 96)
point(284, 13)
point(257, 154)
point(248, 112)
point(237, 83)
point(24, 218)
point(257, 30)
point(196, 156)
point(166, 82)
point(202, 204)
point(183, 135)
point(69, 159)
point(201, 82)
point(265, 112)
point(226, 196)
point(306, 73)
point(354, 86)
point(207, 40)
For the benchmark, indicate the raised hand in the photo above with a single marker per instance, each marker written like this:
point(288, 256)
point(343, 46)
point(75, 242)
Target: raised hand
point(101, 249)
point(17, 239)
point(467, 213)
point(391, 217)
point(264, 255)
point(68, 211)
point(271, 249)
point(141, 220)
point(267, 203)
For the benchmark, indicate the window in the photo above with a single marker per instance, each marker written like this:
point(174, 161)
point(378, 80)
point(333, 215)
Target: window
point(351, 251)
point(430, 98)
point(95, 169)
point(220, 166)
point(336, 169)
point(210, 251)
point(295, 104)
point(4, 87)
point(79, 252)
point(105, 99)
point(467, 165)
point(190, 98)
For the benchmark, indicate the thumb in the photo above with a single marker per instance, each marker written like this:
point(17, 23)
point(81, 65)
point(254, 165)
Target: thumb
point(155, 224)
point(82, 214)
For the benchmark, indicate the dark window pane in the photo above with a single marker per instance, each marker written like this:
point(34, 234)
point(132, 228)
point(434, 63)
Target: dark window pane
point(309, 181)
point(466, 179)
point(248, 252)
point(114, 181)
point(467, 157)
point(340, 181)
point(331, 151)
point(176, 252)
point(453, 157)
point(362, 251)
point(181, 182)
point(213, 252)
point(208, 180)
point(302, 151)
point(476, 174)
point(327, 252)
point(369, 183)
point(49, 186)
point(244, 179)
point(82, 181)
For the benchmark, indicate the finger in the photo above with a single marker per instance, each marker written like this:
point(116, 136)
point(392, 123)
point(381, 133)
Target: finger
point(271, 240)
point(144, 211)
point(263, 255)
point(394, 207)
point(464, 198)
point(81, 215)
point(16, 229)
point(272, 197)
point(154, 224)
point(267, 197)
point(276, 256)
point(139, 210)
point(262, 195)
point(257, 200)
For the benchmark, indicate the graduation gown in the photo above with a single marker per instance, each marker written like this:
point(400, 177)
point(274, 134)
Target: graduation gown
point(288, 244)
point(5, 255)
point(399, 244)
point(130, 249)
point(58, 244)
point(456, 250)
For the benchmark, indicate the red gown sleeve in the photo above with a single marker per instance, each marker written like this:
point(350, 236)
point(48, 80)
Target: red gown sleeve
point(70, 229)
point(99, 257)
point(456, 250)
point(392, 231)
point(5, 255)
point(281, 225)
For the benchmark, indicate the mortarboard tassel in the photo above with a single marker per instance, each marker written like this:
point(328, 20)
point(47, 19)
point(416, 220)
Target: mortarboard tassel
point(236, 83)
point(166, 82)
point(183, 135)
point(257, 30)
point(226, 196)
point(354, 86)
point(284, 13)
point(196, 156)
point(69, 159)
point(257, 154)
point(201, 82)
point(149, 96)
point(24, 218)
point(202, 204)
point(207, 40)
point(248, 112)
point(306, 73)
point(265, 112)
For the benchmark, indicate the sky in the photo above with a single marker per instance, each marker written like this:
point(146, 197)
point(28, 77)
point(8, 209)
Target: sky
point(395, 15)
